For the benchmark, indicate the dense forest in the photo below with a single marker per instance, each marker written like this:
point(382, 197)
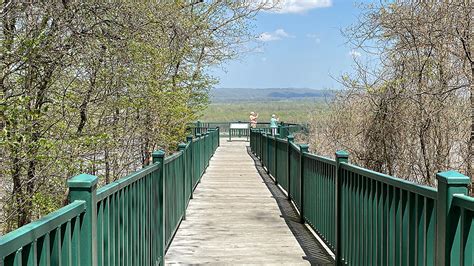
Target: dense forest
point(408, 107)
point(95, 86)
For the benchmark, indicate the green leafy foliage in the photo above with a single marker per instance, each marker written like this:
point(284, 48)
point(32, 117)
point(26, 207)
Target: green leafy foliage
point(95, 87)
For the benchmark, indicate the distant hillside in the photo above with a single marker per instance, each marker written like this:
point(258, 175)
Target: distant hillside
point(270, 94)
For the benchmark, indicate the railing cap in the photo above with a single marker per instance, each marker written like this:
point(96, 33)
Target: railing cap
point(83, 181)
point(342, 154)
point(291, 137)
point(453, 178)
point(181, 146)
point(304, 147)
point(158, 154)
point(189, 138)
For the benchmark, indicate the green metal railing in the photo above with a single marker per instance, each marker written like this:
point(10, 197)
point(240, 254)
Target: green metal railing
point(368, 218)
point(128, 222)
point(284, 129)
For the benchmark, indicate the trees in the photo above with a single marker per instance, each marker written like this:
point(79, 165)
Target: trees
point(411, 102)
point(91, 87)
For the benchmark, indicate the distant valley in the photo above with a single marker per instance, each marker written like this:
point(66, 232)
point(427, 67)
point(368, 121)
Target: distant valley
point(222, 95)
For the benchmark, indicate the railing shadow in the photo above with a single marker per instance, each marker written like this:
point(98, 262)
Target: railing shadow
point(314, 251)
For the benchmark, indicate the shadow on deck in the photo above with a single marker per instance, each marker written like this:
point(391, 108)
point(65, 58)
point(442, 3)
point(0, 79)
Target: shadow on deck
point(314, 251)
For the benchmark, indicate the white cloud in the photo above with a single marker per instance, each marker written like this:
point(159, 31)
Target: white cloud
point(314, 37)
point(298, 6)
point(281, 33)
point(274, 36)
point(355, 53)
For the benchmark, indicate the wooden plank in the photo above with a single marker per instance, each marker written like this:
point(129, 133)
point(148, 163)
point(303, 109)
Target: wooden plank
point(234, 219)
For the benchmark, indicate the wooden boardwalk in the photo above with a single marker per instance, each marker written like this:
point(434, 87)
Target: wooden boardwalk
point(238, 216)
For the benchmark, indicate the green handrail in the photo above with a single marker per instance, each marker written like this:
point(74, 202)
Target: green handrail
point(284, 129)
point(369, 218)
point(129, 222)
point(49, 240)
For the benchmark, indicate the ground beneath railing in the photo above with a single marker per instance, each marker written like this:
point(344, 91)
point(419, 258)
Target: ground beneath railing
point(238, 216)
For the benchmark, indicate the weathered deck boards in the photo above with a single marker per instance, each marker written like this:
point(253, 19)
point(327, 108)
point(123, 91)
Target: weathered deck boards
point(235, 219)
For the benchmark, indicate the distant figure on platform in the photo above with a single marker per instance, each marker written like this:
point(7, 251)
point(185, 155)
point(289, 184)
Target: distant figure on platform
point(274, 124)
point(253, 119)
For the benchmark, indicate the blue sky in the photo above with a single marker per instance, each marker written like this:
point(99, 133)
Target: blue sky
point(301, 46)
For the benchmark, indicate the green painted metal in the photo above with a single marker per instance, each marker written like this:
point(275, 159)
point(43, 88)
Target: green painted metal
point(369, 218)
point(83, 187)
point(26, 245)
point(449, 220)
point(341, 157)
point(128, 222)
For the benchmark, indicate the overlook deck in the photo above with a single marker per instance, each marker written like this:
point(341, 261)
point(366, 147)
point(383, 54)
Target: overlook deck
point(240, 216)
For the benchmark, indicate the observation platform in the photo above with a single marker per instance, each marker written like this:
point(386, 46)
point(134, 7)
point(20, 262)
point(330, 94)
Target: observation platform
point(239, 216)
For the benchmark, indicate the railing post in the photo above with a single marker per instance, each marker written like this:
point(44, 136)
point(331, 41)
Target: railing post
point(341, 157)
point(267, 142)
point(83, 187)
point(159, 157)
point(182, 148)
point(198, 124)
point(275, 158)
point(290, 139)
point(189, 139)
point(303, 148)
point(198, 152)
point(218, 137)
point(207, 148)
point(449, 183)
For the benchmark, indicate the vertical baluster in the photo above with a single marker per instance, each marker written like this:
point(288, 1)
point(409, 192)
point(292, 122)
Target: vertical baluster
point(75, 241)
point(117, 228)
point(350, 198)
point(364, 222)
point(100, 237)
point(398, 225)
point(430, 224)
point(127, 218)
point(404, 228)
point(378, 247)
point(55, 245)
point(467, 239)
point(113, 227)
point(106, 231)
point(140, 220)
point(412, 227)
point(17, 259)
point(30, 254)
point(385, 222)
point(420, 231)
point(391, 227)
point(44, 250)
point(148, 233)
point(121, 227)
point(358, 221)
point(372, 225)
